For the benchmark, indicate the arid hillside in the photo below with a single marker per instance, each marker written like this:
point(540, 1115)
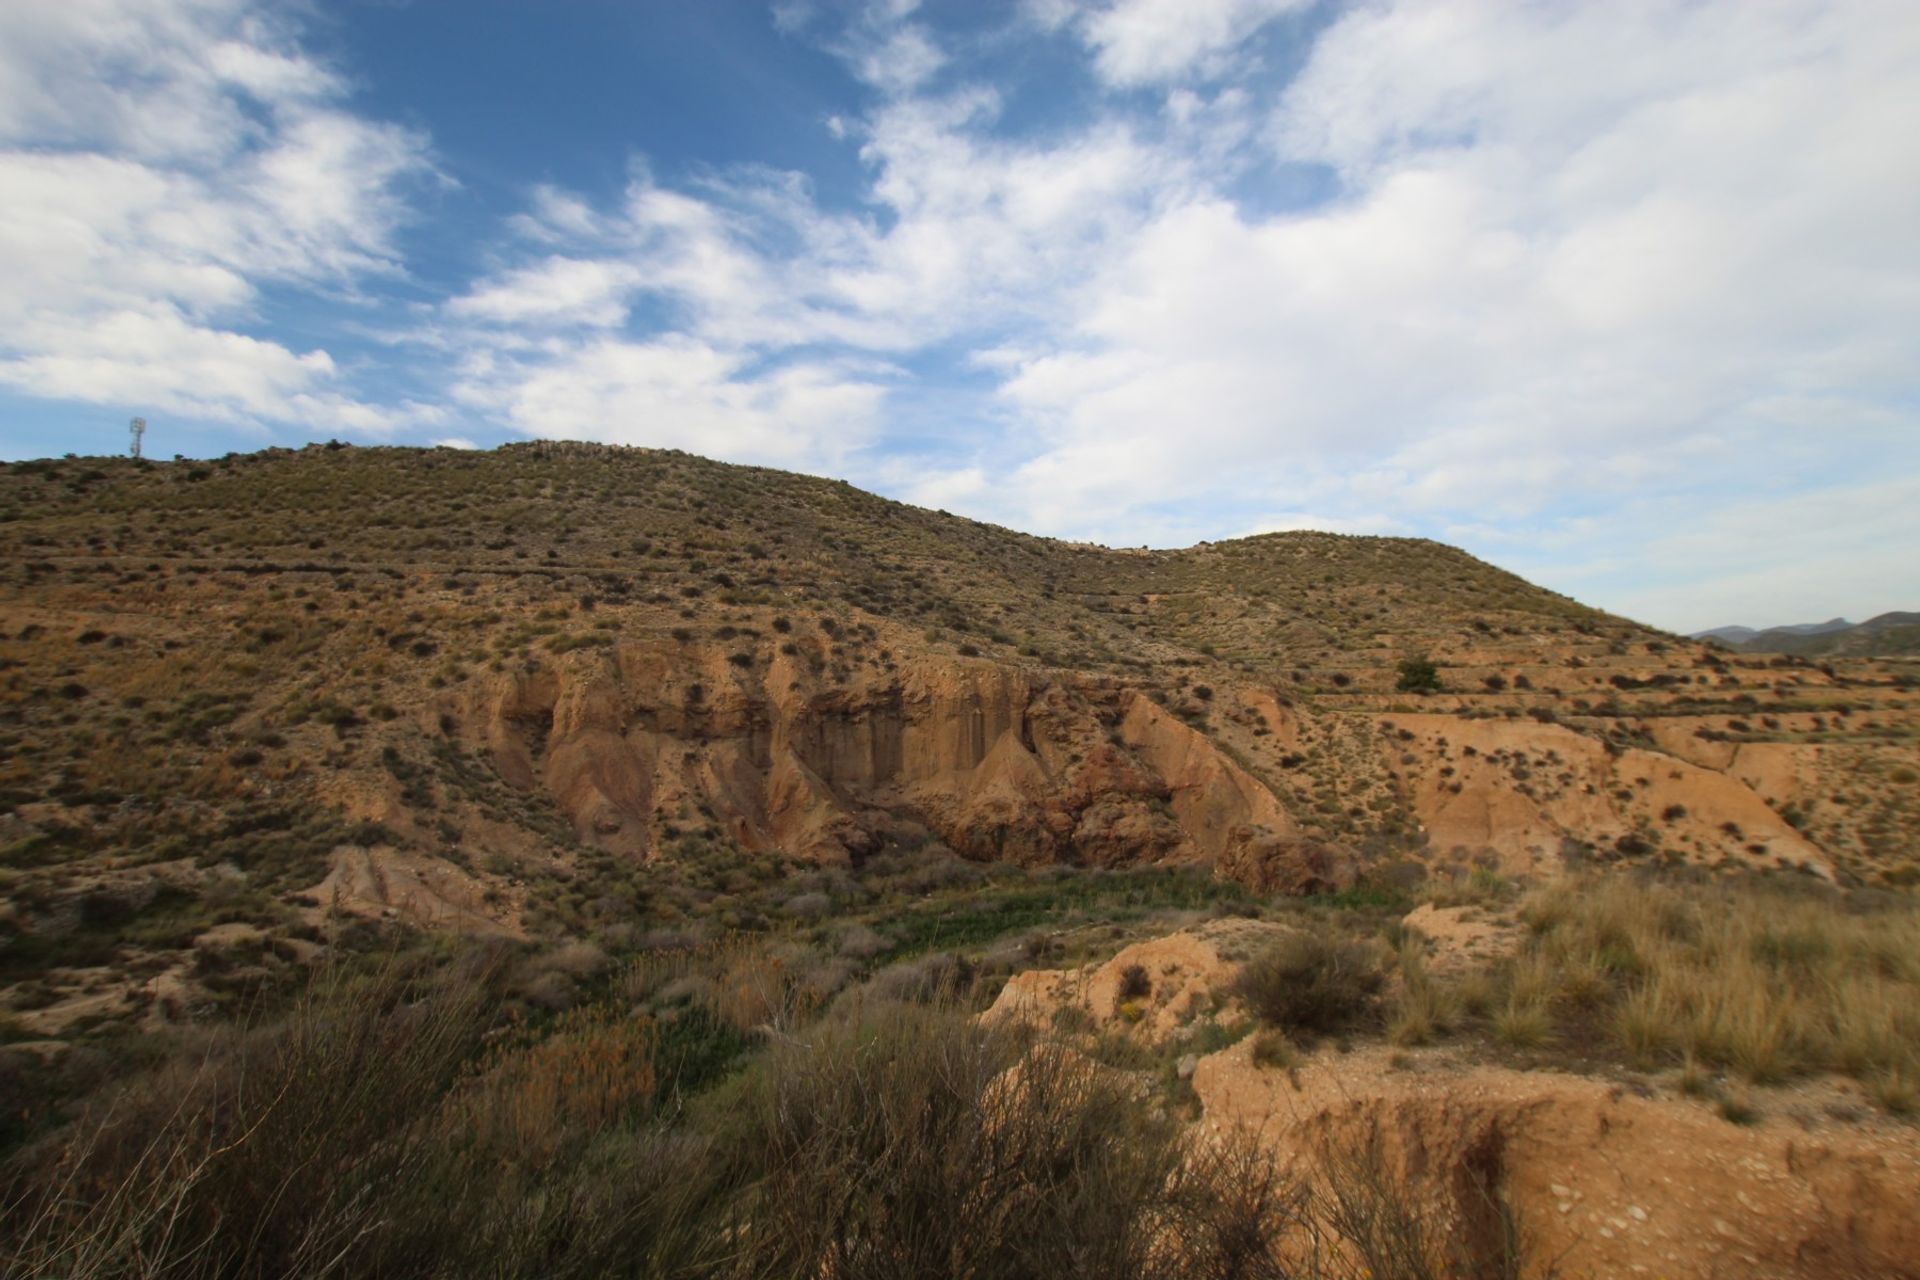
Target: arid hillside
point(550, 837)
point(521, 691)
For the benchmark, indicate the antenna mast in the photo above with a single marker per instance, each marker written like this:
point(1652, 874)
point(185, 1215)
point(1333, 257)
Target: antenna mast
point(137, 428)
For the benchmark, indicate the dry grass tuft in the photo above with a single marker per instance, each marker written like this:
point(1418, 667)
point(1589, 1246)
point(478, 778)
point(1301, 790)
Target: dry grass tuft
point(1755, 981)
point(1272, 1049)
point(1423, 1006)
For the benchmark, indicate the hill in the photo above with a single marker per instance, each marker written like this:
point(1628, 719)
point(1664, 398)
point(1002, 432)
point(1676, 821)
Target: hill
point(1740, 635)
point(547, 836)
point(1886, 635)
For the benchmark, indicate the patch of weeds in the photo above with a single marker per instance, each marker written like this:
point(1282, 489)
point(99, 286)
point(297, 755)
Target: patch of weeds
point(1312, 982)
point(1273, 1051)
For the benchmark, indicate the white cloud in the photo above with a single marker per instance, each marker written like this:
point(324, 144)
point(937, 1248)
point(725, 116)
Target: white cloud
point(680, 393)
point(164, 360)
point(879, 42)
point(156, 79)
point(790, 17)
point(555, 290)
point(1580, 253)
point(902, 61)
point(1049, 15)
point(1146, 42)
point(164, 160)
point(161, 362)
point(976, 231)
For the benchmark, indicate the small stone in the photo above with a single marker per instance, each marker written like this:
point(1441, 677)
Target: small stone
point(1560, 1192)
point(1186, 1066)
point(1635, 1212)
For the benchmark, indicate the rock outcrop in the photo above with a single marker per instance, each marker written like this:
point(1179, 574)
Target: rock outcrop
point(1151, 991)
point(384, 883)
point(1000, 763)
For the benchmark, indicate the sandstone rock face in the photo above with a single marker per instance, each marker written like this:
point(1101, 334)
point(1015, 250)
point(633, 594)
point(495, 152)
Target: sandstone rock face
point(1295, 866)
point(1720, 810)
point(1214, 798)
point(1463, 938)
point(1000, 763)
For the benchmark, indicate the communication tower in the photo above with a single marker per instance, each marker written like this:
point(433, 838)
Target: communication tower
point(137, 428)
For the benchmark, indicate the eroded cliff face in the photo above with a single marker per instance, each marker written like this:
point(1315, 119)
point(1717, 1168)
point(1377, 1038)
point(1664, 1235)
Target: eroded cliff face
point(1000, 763)
point(637, 743)
point(1028, 766)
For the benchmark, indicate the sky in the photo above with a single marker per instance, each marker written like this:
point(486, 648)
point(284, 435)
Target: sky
point(1624, 297)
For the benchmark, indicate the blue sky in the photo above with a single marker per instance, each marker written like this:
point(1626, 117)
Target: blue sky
point(1623, 297)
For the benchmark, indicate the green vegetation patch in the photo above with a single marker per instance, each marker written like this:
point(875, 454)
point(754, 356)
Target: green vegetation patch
point(977, 918)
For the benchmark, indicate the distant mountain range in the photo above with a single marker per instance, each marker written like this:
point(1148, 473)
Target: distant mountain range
point(1888, 633)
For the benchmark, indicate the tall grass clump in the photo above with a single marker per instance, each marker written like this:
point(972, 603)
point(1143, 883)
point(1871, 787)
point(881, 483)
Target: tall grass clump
point(382, 1129)
point(1374, 1223)
point(1423, 1006)
point(371, 1131)
point(267, 1154)
point(907, 1142)
point(1754, 980)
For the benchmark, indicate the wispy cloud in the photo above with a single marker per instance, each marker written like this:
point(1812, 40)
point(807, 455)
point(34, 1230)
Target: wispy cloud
point(164, 160)
point(681, 393)
point(1152, 42)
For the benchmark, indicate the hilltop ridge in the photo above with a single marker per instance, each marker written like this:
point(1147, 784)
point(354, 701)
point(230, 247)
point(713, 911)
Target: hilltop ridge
point(1890, 634)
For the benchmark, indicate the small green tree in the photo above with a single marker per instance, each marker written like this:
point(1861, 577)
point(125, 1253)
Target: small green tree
point(1418, 675)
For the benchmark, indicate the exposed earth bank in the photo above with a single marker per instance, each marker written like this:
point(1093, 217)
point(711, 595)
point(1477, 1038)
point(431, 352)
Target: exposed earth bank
point(1602, 1176)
